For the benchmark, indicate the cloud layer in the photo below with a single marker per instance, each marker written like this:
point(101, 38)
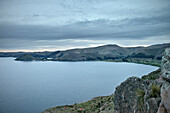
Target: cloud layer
point(24, 23)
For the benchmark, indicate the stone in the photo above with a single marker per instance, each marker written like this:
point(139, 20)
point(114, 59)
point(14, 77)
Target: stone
point(165, 91)
point(125, 97)
point(153, 105)
point(165, 66)
point(165, 102)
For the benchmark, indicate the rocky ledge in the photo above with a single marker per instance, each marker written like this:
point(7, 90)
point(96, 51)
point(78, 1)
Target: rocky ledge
point(136, 95)
point(150, 94)
point(165, 91)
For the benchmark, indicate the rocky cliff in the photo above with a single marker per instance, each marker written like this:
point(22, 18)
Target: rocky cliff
point(165, 91)
point(137, 96)
point(148, 94)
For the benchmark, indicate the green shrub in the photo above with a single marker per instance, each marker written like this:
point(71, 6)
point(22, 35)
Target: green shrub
point(140, 96)
point(155, 91)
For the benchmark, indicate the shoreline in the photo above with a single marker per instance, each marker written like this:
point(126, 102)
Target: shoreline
point(103, 104)
point(156, 63)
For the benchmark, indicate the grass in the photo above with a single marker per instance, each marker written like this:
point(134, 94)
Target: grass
point(102, 104)
point(155, 91)
point(140, 96)
point(140, 93)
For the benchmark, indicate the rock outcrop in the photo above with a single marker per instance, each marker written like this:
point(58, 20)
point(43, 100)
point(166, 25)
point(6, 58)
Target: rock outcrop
point(165, 91)
point(126, 99)
point(137, 95)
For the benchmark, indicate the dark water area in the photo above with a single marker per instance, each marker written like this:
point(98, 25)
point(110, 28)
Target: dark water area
point(32, 87)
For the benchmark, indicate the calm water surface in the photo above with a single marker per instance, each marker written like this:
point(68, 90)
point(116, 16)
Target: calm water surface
point(31, 87)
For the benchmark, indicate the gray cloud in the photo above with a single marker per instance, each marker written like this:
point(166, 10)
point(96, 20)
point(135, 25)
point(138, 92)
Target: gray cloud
point(31, 21)
point(101, 28)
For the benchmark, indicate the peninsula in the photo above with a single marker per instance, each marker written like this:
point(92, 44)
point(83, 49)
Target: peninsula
point(146, 55)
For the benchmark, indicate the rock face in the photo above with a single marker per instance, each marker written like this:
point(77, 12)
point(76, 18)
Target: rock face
point(137, 95)
point(127, 101)
point(165, 67)
point(125, 95)
point(165, 91)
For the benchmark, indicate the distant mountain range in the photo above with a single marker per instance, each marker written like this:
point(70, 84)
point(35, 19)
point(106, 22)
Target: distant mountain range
point(106, 53)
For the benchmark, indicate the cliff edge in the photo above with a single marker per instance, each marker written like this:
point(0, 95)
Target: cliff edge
point(149, 94)
point(165, 91)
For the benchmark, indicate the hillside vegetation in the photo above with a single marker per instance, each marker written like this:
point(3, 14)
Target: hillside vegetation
point(146, 55)
point(102, 104)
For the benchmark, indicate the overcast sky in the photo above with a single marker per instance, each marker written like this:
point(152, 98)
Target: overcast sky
point(39, 25)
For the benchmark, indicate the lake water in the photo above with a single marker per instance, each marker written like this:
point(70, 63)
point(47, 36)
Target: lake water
point(32, 87)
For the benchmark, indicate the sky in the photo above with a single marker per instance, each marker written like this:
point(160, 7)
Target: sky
point(50, 25)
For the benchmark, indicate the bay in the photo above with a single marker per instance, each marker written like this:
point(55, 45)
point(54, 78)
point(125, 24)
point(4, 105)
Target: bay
point(32, 87)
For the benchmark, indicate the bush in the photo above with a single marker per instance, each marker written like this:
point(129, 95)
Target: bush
point(155, 91)
point(140, 96)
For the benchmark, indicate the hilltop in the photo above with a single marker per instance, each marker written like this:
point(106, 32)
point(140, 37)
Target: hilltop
point(147, 55)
